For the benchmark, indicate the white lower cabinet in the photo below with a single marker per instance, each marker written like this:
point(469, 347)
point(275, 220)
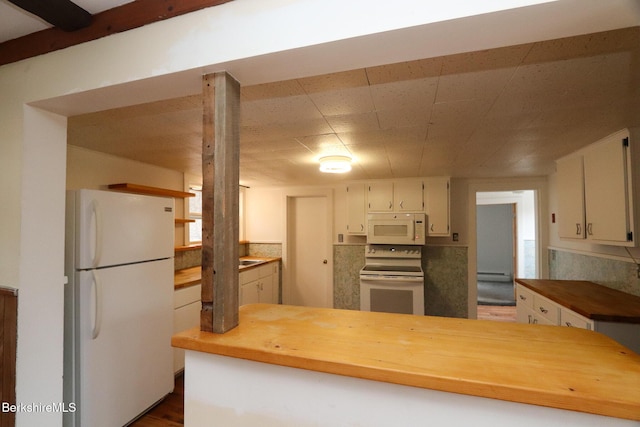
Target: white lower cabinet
point(260, 284)
point(186, 315)
point(534, 308)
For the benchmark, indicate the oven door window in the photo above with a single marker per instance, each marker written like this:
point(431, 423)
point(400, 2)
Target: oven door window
point(391, 300)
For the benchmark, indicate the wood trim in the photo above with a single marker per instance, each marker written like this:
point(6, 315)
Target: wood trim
point(151, 191)
point(220, 202)
point(8, 341)
point(64, 14)
point(122, 18)
point(183, 220)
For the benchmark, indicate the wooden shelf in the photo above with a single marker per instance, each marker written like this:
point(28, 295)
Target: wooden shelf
point(151, 191)
point(187, 248)
point(183, 220)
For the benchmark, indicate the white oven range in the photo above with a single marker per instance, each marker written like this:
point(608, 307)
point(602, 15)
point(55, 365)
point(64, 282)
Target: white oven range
point(392, 279)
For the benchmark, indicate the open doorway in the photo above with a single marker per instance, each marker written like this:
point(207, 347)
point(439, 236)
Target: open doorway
point(506, 248)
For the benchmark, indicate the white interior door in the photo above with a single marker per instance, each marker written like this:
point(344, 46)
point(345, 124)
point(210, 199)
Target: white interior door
point(308, 248)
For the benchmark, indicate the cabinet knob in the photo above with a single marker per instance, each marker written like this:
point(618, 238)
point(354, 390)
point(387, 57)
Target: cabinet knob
point(590, 229)
point(544, 310)
point(325, 261)
point(578, 228)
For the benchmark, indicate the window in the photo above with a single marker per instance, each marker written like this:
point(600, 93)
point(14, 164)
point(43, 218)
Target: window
point(195, 213)
point(194, 231)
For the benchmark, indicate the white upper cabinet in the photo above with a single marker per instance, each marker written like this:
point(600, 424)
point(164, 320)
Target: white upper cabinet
point(356, 209)
point(607, 186)
point(437, 205)
point(571, 198)
point(380, 196)
point(408, 196)
point(395, 196)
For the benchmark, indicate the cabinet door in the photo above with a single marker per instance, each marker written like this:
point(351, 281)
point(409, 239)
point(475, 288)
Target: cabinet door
point(380, 196)
point(356, 209)
point(606, 191)
point(266, 290)
point(437, 206)
point(571, 198)
point(408, 196)
point(185, 317)
point(250, 293)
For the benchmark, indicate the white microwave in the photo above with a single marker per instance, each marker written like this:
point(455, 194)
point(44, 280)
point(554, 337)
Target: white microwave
point(396, 228)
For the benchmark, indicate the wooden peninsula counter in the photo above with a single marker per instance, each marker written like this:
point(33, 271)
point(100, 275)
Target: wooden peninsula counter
point(579, 373)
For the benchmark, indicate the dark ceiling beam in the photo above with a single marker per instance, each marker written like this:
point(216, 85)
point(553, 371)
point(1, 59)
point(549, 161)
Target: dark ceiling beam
point(63, 14)
point(122, 18)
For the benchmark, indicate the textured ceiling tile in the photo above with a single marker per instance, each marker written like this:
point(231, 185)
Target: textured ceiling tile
point(473, 85)
point(626, 39)
point(335, 81)
point(279, 110)
point(502, 117)
point(485, 60)
point(362, 122)
point(411, 70)
point(413, 94)
point(341, 102)
point(282, 89)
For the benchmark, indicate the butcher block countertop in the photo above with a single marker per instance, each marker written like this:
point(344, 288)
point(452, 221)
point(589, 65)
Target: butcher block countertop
point(192, 276)
point(589, 299)
point(566, 368)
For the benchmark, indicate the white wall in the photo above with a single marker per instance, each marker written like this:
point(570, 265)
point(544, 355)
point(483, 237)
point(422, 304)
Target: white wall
point(167, 59)
point(95, 170)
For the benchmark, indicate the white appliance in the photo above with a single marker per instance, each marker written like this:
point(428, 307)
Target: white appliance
point(392, 279)
point(118, 359)
point(396, 228)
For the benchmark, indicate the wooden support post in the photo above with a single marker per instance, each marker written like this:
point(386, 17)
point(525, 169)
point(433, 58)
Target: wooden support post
point(220, 195)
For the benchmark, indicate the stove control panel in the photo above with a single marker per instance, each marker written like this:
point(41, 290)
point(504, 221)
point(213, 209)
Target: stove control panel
point(393, 251)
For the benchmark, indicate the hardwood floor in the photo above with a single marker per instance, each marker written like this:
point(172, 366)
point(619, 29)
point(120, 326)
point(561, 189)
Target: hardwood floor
point(169, 412)
point(497, 313)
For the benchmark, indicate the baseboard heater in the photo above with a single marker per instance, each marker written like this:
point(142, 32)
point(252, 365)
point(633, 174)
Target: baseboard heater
point(494, 277)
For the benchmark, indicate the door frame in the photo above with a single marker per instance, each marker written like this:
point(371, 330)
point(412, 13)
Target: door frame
point(539, 185)
point(287, 257)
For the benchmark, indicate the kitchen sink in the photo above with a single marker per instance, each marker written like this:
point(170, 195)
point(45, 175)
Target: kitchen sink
point(248, 262)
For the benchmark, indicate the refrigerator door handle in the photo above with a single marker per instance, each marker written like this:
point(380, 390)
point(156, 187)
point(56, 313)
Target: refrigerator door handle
point(97, 321)
point(95, 209)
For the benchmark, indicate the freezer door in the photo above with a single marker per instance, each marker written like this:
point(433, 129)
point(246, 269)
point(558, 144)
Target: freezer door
point(124, 359)
point(117, 228)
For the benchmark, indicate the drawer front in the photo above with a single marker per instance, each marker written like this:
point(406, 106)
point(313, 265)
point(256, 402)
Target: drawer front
point(524, 314)
point(524, 297)
point(265, 270)
point(185, 296)
point(547, 309)
point(537, 319)
point(249, 275)
point(572, 319)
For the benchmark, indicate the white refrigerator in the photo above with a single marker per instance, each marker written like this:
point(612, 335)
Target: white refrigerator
point(118, 359)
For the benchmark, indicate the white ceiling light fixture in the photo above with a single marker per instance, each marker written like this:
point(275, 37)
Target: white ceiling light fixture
point(335, 164)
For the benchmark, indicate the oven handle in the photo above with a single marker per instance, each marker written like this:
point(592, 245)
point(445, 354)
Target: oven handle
point(373, 278)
